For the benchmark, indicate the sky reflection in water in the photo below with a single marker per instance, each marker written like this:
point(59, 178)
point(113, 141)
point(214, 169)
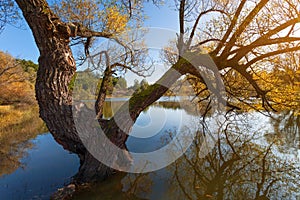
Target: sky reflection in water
point(48, 167)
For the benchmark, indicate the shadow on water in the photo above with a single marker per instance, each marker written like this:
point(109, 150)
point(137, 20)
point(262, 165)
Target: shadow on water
point(253, 157)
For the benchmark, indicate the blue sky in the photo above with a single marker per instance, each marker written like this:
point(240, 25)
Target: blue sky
point(20, 42)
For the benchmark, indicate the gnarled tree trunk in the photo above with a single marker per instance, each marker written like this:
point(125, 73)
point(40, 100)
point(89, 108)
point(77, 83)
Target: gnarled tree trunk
point(56, 69)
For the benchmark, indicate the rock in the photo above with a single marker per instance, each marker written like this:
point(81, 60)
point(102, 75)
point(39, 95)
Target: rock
point(64, 193)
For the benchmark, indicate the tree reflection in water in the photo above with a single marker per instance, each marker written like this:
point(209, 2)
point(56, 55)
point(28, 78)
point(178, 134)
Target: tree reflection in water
point(242, 165)
point(247, 162)
point(287, 130)
point(18, 126)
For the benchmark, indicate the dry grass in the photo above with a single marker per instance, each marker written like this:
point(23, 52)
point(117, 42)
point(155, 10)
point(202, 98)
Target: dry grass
point(19, 120)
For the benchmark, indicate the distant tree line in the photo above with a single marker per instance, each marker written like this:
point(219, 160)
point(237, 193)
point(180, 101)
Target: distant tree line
point(17, 78)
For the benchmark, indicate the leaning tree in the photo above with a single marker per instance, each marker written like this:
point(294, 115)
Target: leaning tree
point(241, 36)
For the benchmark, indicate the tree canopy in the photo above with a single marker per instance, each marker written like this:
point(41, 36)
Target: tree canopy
point(244, 38)
point(248, 41)
point(16, 80)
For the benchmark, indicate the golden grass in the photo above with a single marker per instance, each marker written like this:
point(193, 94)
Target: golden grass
point(19, 120)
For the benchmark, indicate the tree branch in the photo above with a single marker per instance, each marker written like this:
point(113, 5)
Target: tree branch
point(206, 41)
point(180, 44)
point(99, 104)
point(270, 54)
point(78, 30)
point(241, 52)
point(261, 93)
point(231, 27)
point(197, 22)
point(243, 26)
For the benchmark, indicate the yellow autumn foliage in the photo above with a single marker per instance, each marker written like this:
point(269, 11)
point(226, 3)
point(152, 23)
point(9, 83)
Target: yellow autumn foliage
point(283, 88)
point(115, 21)
point(84, 12)
point(15, 86)
point(92, 15)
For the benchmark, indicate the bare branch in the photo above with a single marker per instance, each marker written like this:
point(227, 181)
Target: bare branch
point(241, 52)
point(243, 26)
point(180, 44)
point(206, 41)
point(197, 22)
point(270, 54)
point(231, 27)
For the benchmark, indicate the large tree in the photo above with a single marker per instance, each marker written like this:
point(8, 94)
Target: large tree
point(242, 36)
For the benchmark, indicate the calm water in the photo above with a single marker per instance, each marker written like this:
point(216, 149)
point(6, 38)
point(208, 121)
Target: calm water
point(252, 156)
point(45, 168)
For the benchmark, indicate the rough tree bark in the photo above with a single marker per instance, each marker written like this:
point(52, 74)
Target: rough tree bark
point(56, 69)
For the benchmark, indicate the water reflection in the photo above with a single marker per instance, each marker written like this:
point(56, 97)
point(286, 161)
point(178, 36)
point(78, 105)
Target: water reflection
point(113, 104)
point(244, 164)
point(18, 126)
point(254, 157)
point(287, 130)
point(32, 165)
point(241, 166)
point(47, 167)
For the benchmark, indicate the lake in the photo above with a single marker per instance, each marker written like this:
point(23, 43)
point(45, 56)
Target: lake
point(252, 157)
